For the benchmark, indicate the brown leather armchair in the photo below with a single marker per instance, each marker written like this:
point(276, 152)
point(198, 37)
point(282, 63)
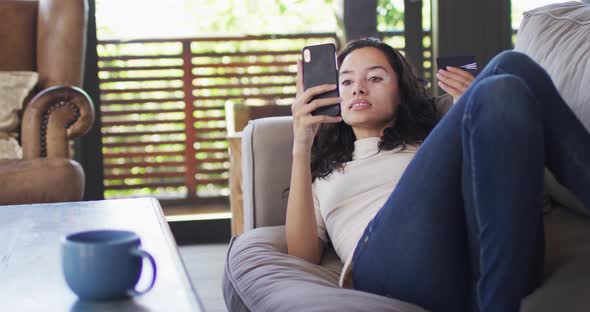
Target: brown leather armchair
point(48, 37)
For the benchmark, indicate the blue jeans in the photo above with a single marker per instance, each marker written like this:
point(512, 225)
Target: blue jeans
point(463, 229)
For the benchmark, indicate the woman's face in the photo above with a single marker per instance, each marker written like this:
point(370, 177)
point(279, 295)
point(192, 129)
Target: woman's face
point(369, 90)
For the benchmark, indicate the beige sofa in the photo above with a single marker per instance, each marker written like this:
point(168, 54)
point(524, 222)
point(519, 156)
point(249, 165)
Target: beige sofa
point(260, 276)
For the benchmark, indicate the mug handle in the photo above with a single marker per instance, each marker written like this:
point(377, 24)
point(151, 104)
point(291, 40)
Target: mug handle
point(140, 252)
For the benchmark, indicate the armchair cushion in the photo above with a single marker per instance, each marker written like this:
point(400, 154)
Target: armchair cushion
point(9, 148)
point(14, 88)
point(265, 176)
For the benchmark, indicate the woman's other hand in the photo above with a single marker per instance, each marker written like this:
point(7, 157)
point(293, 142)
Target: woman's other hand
point(305, 125)
point(454, 81)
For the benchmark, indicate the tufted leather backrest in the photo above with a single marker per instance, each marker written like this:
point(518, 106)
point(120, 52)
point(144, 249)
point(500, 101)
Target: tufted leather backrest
point(18, 35)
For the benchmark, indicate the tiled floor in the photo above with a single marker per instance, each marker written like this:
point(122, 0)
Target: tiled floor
point(204, 264)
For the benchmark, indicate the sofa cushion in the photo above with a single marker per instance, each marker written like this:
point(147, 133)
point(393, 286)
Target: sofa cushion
point(567, 290)
point(260, 276)
point(565, 287)
point(557, 36)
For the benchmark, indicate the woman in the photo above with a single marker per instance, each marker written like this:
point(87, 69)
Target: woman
point(444, 215)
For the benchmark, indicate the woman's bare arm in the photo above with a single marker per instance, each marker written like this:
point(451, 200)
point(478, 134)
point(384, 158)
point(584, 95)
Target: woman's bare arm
point(301, 226)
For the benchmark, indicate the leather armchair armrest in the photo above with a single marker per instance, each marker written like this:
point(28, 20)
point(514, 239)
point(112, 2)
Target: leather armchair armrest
point(53, 117)
point(40, 180)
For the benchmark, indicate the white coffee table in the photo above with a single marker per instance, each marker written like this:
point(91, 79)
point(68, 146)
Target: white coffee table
point(30, 256)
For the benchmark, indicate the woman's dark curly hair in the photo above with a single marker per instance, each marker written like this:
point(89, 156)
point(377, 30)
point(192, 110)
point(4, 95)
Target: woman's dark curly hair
point(413, 120)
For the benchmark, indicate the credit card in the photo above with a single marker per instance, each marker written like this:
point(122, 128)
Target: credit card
point(466, 63)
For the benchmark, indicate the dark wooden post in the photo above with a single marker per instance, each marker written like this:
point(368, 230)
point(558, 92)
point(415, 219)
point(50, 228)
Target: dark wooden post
point(360, 19)
point(471, 27)
point(88, 149)
point(189, 126)
point(413, 34)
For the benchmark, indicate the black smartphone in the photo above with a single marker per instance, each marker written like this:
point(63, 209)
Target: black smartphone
point(466, 63)
point(319, 67)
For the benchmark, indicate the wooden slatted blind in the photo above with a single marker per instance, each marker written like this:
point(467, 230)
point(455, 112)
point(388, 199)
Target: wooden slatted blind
point(163, 107)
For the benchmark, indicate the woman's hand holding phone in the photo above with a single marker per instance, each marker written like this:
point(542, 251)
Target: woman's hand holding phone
point(305, 125)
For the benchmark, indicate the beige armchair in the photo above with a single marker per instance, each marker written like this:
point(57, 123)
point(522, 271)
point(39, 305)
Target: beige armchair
point(47, 37)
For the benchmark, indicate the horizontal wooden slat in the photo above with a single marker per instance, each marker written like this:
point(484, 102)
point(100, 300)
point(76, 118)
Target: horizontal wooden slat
point(208, 107)
point(143, 185)
point(137, 68)
point(224, 38)
point(142, 122)
point(214, 160)
point(130, 144)
point(217, 118)
point(263, 74)
point(141, 111)
point(150, 175)
point(139, 90)
point(245, 86)
point(139, 57)
point(140, 133)
point(143, 154)
point(213, 181)
point(243, 64)
point(245, 53)
point(160, 174)
point(249, 96)
point(198, 150)
point(164, 184)
point(211, 129)
point(210, 171)
point(145, 164)
point(214, 139)
point(139, 79)
point(211, 150)
point(140, 101)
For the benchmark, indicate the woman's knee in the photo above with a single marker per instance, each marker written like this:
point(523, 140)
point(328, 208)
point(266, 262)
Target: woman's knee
point(511, 55)
point(517, 63)
point(500, 99)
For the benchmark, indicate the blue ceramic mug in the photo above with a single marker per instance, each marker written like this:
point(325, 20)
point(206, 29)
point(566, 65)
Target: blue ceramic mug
point(104, 264)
